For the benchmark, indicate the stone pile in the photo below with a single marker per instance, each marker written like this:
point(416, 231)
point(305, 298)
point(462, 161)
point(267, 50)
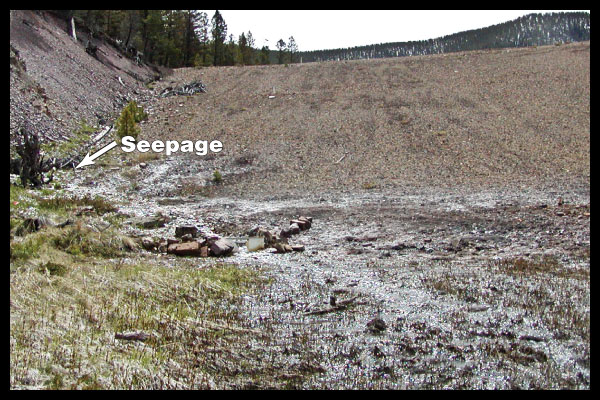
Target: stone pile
point(189, 241)
point(280, 242)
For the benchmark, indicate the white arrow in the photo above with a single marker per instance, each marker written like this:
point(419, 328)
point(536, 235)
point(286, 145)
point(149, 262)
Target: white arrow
point(89, 160)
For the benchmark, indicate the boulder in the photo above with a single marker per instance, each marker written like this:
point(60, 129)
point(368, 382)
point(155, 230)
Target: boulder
point(294, 228)
point(157, 221)
point(221, 247)
point(286, 232)
point(180, 231)
point(185, 249)
point(302, 223)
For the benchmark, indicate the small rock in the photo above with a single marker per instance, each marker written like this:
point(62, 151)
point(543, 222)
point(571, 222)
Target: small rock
point(303, 224)
point(532, 338)
point(143, 165)
point(149, 243)
point(377, 352)
point(477, 308)
point(308, 220)
point(376, 325)
point(187, 237)
point(297, 247)
point(282, 248)
point(286, 232)
point(151, 222)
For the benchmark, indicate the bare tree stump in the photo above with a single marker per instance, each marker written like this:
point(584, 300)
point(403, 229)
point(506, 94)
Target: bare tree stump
point(31, 159)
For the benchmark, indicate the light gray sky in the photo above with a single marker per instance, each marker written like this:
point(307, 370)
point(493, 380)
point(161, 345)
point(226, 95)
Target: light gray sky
point(330, 29)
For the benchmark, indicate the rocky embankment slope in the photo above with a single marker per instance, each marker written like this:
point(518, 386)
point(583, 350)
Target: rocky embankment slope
point(485, 118)
point(55, 86)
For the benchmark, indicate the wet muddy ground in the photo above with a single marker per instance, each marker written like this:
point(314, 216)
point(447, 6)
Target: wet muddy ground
point(481, 289)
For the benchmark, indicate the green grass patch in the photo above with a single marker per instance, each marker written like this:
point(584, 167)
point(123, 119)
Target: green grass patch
point(58, 204)
point(81, 136)
point(65, 326)
point(77, 240)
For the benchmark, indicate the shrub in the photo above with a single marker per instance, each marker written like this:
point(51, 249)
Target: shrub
point(128, 120)
point(217, 177)
point(138, 112)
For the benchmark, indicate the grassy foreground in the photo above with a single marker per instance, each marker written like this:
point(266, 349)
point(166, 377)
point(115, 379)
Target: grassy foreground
point(89, 311)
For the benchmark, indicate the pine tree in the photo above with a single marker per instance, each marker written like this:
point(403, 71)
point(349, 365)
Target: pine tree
point(243, 45)
point(219, 34)
point(292, 49)
point(281, 48)
point(126, 124)
point(203, 38)
point(191, 42)
point(251, 50)
point(264, 56)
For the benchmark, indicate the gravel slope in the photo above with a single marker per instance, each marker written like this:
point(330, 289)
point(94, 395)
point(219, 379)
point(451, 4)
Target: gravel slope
point(516, 117)
point(55, 84)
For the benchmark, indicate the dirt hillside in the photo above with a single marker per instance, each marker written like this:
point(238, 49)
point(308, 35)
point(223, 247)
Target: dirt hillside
point(55, 85)
point(516, 116)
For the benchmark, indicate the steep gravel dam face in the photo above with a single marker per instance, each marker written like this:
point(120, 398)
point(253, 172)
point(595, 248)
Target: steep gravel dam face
point(503, 117)
point(450, 205)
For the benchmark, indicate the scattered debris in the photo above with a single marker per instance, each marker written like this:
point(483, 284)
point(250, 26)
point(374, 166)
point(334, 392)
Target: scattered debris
point(185, 90)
